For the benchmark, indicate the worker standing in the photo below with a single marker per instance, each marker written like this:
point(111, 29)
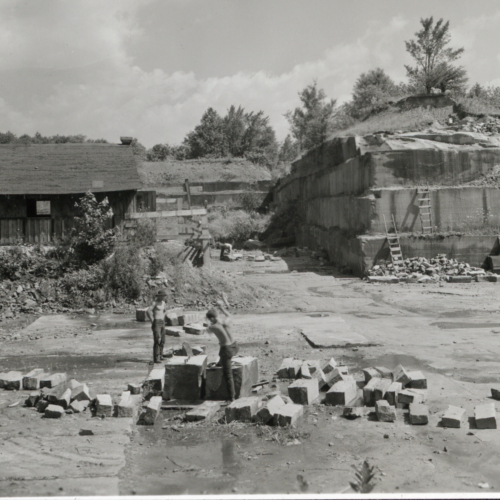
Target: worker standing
point(156, 314)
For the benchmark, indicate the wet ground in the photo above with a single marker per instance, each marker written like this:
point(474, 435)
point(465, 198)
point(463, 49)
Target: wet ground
point(449, 332)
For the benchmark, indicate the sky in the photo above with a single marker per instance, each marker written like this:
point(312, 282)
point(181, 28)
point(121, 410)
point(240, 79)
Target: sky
point(151, 68)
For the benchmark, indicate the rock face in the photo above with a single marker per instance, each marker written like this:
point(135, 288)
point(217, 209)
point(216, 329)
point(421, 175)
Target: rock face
point(245, 374)
point(184, 377)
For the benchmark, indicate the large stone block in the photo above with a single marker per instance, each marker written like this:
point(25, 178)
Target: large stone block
point(242, 409)
point(495, 393)
point(385, 412)
point(384, 372)
point(79, 406)
point(81, 393)
point(54, 411)
point(155, 380)
point(391, 394)
point(342, 393)
point(381, 388)
point(206, 411)
point(288, 415)
point(245, 374)
point(174, 331)
point(304, 371)
point(460, 279)
point(369, 392)
point(31, 381)
point(417, 380)
point(103, 405)
point(195, 329)
point(171, 319)
point(126, 406)
point(265, 414)
point(418, 414)
point(454, 417)
point(41, 406)
point(401, 375)
point(485, 416)
point(134, 388)
point(303, 391)
point(189, 318)
point(53, 380)
point(73, 383)
point(12, 381)
point(141, 314)
point(370, 373)
point(409, 396)
point(33, 398)
point(336, 375)
point(330, 365)
point(152, 410)
point(65, 399)
point(294, 368)
point(184, 377)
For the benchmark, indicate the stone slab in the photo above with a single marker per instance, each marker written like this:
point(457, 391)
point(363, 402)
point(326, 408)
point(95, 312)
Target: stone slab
point(384, 372)
point(418, 414)
point(245, 375)
point(54, 411)
point(265, 414)
point(493, 278)
point(242, 409)
point(103, 405)
point(460, 279)
point(31, 380)
point(152, 410)
point(485, 416)
point(206, 411)
point(134, 388)
point(174, 331)
point(12, 381)
point(288, 415)
point(53, 380)
point(155, 381)
point(184, 377)
point(385, 412)
point(195, 329)
point(190, 318)
point(303, 391)
point(417, 380)
point(342, 393)
point(409, 396)
point(454, 417)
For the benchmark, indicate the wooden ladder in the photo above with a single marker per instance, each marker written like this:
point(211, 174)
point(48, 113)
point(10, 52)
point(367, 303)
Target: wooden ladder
point(394, 247)
point(425, 209)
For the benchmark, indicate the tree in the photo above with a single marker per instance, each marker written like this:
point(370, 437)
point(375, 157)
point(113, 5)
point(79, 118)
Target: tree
point(434, 59)
point(371, 90)
point(289, 150)
point(159, 152)
point(311, 124)
point(207, 138)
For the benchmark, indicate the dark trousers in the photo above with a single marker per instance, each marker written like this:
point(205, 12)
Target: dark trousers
point(226, 354)
point(159, 339)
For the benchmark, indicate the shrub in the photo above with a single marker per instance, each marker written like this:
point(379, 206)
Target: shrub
point(83, 287)
point(236, 225)
point(250, 200)
point(145, 233)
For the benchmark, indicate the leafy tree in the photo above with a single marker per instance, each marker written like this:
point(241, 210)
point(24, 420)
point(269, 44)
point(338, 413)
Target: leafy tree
point(434, 59)
point(234, 129)
point(159, 152)
point(288, 150)
point(371, 90)
point(90, 239)
point(207, 138)
point(311, 124)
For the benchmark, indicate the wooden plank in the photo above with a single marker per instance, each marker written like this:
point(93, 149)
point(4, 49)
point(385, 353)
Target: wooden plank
point(166, 213)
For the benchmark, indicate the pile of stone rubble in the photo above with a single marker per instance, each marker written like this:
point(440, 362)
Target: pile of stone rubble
point(421, 270)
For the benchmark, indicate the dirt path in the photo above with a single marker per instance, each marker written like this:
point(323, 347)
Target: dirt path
point(449, 332)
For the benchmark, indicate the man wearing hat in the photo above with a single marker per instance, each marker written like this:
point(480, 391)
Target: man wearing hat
point(156, 314)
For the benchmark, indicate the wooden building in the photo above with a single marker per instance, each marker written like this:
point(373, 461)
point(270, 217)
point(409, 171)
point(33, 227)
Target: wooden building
point(40, 183)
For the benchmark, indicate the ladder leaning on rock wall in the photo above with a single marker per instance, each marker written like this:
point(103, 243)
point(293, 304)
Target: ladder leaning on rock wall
point(394, 246)
point(425, 209)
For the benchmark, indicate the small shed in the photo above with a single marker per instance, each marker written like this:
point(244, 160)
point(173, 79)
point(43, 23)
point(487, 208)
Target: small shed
point(40, 183)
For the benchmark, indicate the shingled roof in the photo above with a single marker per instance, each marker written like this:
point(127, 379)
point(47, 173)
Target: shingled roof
point(67, 168)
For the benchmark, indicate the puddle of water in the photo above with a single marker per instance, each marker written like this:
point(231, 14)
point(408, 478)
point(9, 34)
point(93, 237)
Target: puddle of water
point(444, 325)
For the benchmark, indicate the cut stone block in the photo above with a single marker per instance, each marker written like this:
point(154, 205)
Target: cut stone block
point(304, 371)
point(183, 377)
point(206, 411)
point(42, 405)
point(174, 331)
point(314, 365)
point(401, 375)
point(288, 415)
point(391, 394)
point(52, 395)
point(409, 396)
point(81, 393)
point(419, 414)
point(152, 410)
point(141, 314)
point(65, 399)
point(493, 278)
point(384, 372)
point(13, 381)
point(171, 319)
point(381, 388)
point(303, 391)
point(79, 406)
point(245, 375)
point(266, 414)
point(54, 411)
point(485, 416)
point(329, 366)
point(370, 373)
point(352, 412)
point(417, 380)
point(369, 392)
point(342, 393)
point(199, 349)
point(103, 405)
point(189, 318)
point(460, 279)
point(31, 381)
point(283, 369)
point(495, 393)
point(53, 380)
point(72, 384)
point(155, 381)
point(242, 409)
point(336, 375)
point(134, 388)
point(385, 412)
point(195, 329)
point(126, 406)
point(320, 377)
point(33, 398)
point(454, 417)
point(294, 368)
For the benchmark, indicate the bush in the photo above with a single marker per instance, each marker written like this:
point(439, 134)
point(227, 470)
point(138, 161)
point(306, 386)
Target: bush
point(250, 200)
point(145, 233)
point(236, 226)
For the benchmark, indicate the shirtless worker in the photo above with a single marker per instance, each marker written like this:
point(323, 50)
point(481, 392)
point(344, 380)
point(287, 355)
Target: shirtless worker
point(156, 314)
point(221, 328)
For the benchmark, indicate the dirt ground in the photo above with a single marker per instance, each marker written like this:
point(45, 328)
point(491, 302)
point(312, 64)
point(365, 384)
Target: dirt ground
point(449, 331)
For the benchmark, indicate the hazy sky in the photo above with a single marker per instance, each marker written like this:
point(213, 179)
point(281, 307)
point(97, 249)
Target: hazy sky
point(150, 68)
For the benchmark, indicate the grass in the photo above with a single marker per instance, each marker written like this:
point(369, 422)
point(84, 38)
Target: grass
point(478, 106)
